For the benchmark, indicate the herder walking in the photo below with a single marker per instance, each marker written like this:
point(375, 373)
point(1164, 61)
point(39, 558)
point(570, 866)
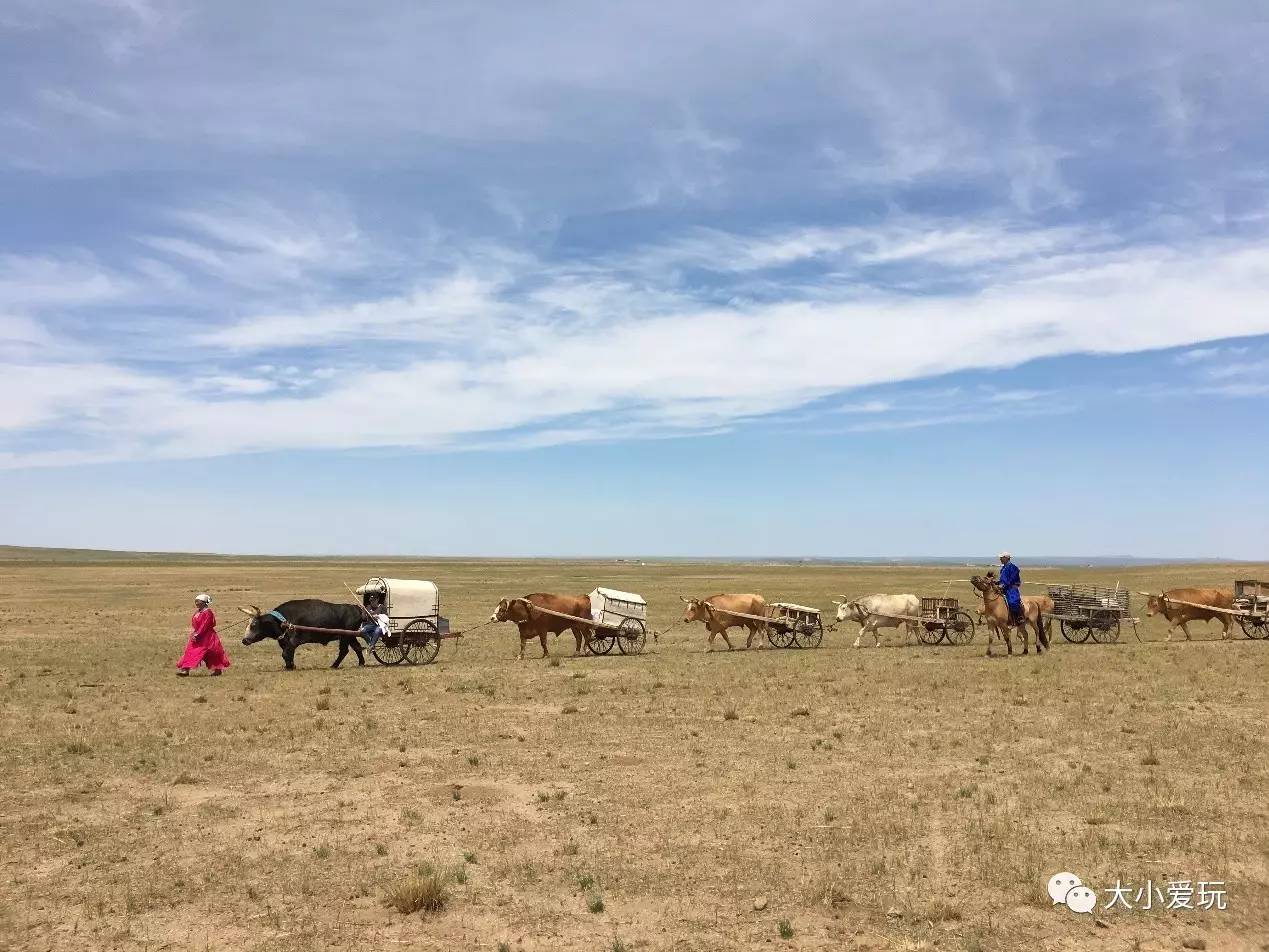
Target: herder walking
point(1011, 588)
point(204, 645)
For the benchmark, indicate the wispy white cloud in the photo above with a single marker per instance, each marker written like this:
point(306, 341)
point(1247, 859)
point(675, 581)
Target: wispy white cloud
point(503, 357)
point(29, 282)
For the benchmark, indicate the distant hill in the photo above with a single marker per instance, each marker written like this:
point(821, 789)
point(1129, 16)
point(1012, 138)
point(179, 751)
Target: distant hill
point(19, 553)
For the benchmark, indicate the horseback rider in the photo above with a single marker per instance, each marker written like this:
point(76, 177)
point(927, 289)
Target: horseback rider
point(1011, 588)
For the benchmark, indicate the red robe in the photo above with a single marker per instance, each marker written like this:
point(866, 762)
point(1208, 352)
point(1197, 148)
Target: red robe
point(204, 644)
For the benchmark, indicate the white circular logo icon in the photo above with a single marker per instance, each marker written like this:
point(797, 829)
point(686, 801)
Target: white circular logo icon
point(1081, 899)
point(1060, 884)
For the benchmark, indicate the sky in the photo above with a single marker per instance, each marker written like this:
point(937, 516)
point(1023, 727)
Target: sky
point(771, 279)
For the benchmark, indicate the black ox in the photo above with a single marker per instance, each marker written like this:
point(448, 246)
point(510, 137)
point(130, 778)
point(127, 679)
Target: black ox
point(307, 613)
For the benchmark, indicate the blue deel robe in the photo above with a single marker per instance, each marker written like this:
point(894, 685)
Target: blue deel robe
point(1011, 587)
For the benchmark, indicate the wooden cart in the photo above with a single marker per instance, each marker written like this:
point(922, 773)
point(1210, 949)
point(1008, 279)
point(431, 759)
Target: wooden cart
point(1085, 611)
point(416, 627)
point(620, 619)
point(790, 625)
point(943, 619)
point(1251, 598)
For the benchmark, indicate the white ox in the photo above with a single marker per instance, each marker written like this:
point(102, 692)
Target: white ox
point(879, 611)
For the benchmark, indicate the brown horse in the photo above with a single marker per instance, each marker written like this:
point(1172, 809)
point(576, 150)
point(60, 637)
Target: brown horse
point(996, 613)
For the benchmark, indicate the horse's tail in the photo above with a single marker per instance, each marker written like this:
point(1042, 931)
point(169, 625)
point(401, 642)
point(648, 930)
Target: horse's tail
point(1042, 631)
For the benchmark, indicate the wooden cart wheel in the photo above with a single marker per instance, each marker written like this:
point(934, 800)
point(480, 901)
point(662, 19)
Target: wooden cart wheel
point(389, 650)
point(1105, 631)
point(960, 628)
point(809, 635)
point(930, 632)
point(633, 636)
point(602, 641)
point(1075, 632)
point(1254, 626)
point(779, 636)
point(423, 643)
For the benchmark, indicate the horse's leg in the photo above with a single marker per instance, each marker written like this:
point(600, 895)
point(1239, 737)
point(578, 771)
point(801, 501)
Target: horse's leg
point(1004, 633)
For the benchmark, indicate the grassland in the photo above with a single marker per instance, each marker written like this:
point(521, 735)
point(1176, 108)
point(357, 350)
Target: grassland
point(893, 798)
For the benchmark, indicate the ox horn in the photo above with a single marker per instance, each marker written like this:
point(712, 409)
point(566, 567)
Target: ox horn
point(682, 599)
point(1147, 594)
point(251, 612)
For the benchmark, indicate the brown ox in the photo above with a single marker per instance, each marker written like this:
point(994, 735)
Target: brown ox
point(715, 612)
point(538, 624)
point(999, 621)
point(1179, 615)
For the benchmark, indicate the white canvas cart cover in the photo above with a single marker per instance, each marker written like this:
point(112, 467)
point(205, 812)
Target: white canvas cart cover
point(610, 607)
point(407, 598)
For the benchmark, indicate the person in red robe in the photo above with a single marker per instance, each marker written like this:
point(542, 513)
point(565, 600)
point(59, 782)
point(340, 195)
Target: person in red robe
point(204, 644)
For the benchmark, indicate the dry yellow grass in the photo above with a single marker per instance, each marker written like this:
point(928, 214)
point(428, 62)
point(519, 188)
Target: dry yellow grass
point(893, 798)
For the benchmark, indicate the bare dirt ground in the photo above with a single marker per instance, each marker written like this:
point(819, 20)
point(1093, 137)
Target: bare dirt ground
point(893, 798)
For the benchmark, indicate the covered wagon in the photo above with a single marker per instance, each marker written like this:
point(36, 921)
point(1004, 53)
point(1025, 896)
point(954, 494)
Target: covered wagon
point(415, 624)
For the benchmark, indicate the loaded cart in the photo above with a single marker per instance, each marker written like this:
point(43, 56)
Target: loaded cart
point(789, 625)
point(1091, 610)
point(620, 619)
point(943, 619)
point(415, 624)
point(1251, 599)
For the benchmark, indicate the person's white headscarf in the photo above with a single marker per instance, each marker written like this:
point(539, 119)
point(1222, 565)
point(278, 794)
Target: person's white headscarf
point(1004, 555)
point(203, 597)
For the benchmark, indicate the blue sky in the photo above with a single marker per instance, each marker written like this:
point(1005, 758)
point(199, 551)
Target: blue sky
point(792, 278)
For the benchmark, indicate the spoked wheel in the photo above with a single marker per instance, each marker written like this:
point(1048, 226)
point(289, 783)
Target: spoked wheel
point(389, 650)
point(423, 644)
point(809, 636)
point(634, 636)
point(1075, 632)
point(1105, 630)
point(960, 629)
point(602, 642)
point(779, 636)
point(1254, 626)
point(930, 633)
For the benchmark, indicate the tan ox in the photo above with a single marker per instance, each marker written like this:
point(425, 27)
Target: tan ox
point(1179, 616)
point(999, 621)
point(715, 613)
point(538, 624)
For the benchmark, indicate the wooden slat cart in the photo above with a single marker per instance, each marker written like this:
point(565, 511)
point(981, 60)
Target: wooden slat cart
point(790, 625)
point(943, 619)
point(1085, 611)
